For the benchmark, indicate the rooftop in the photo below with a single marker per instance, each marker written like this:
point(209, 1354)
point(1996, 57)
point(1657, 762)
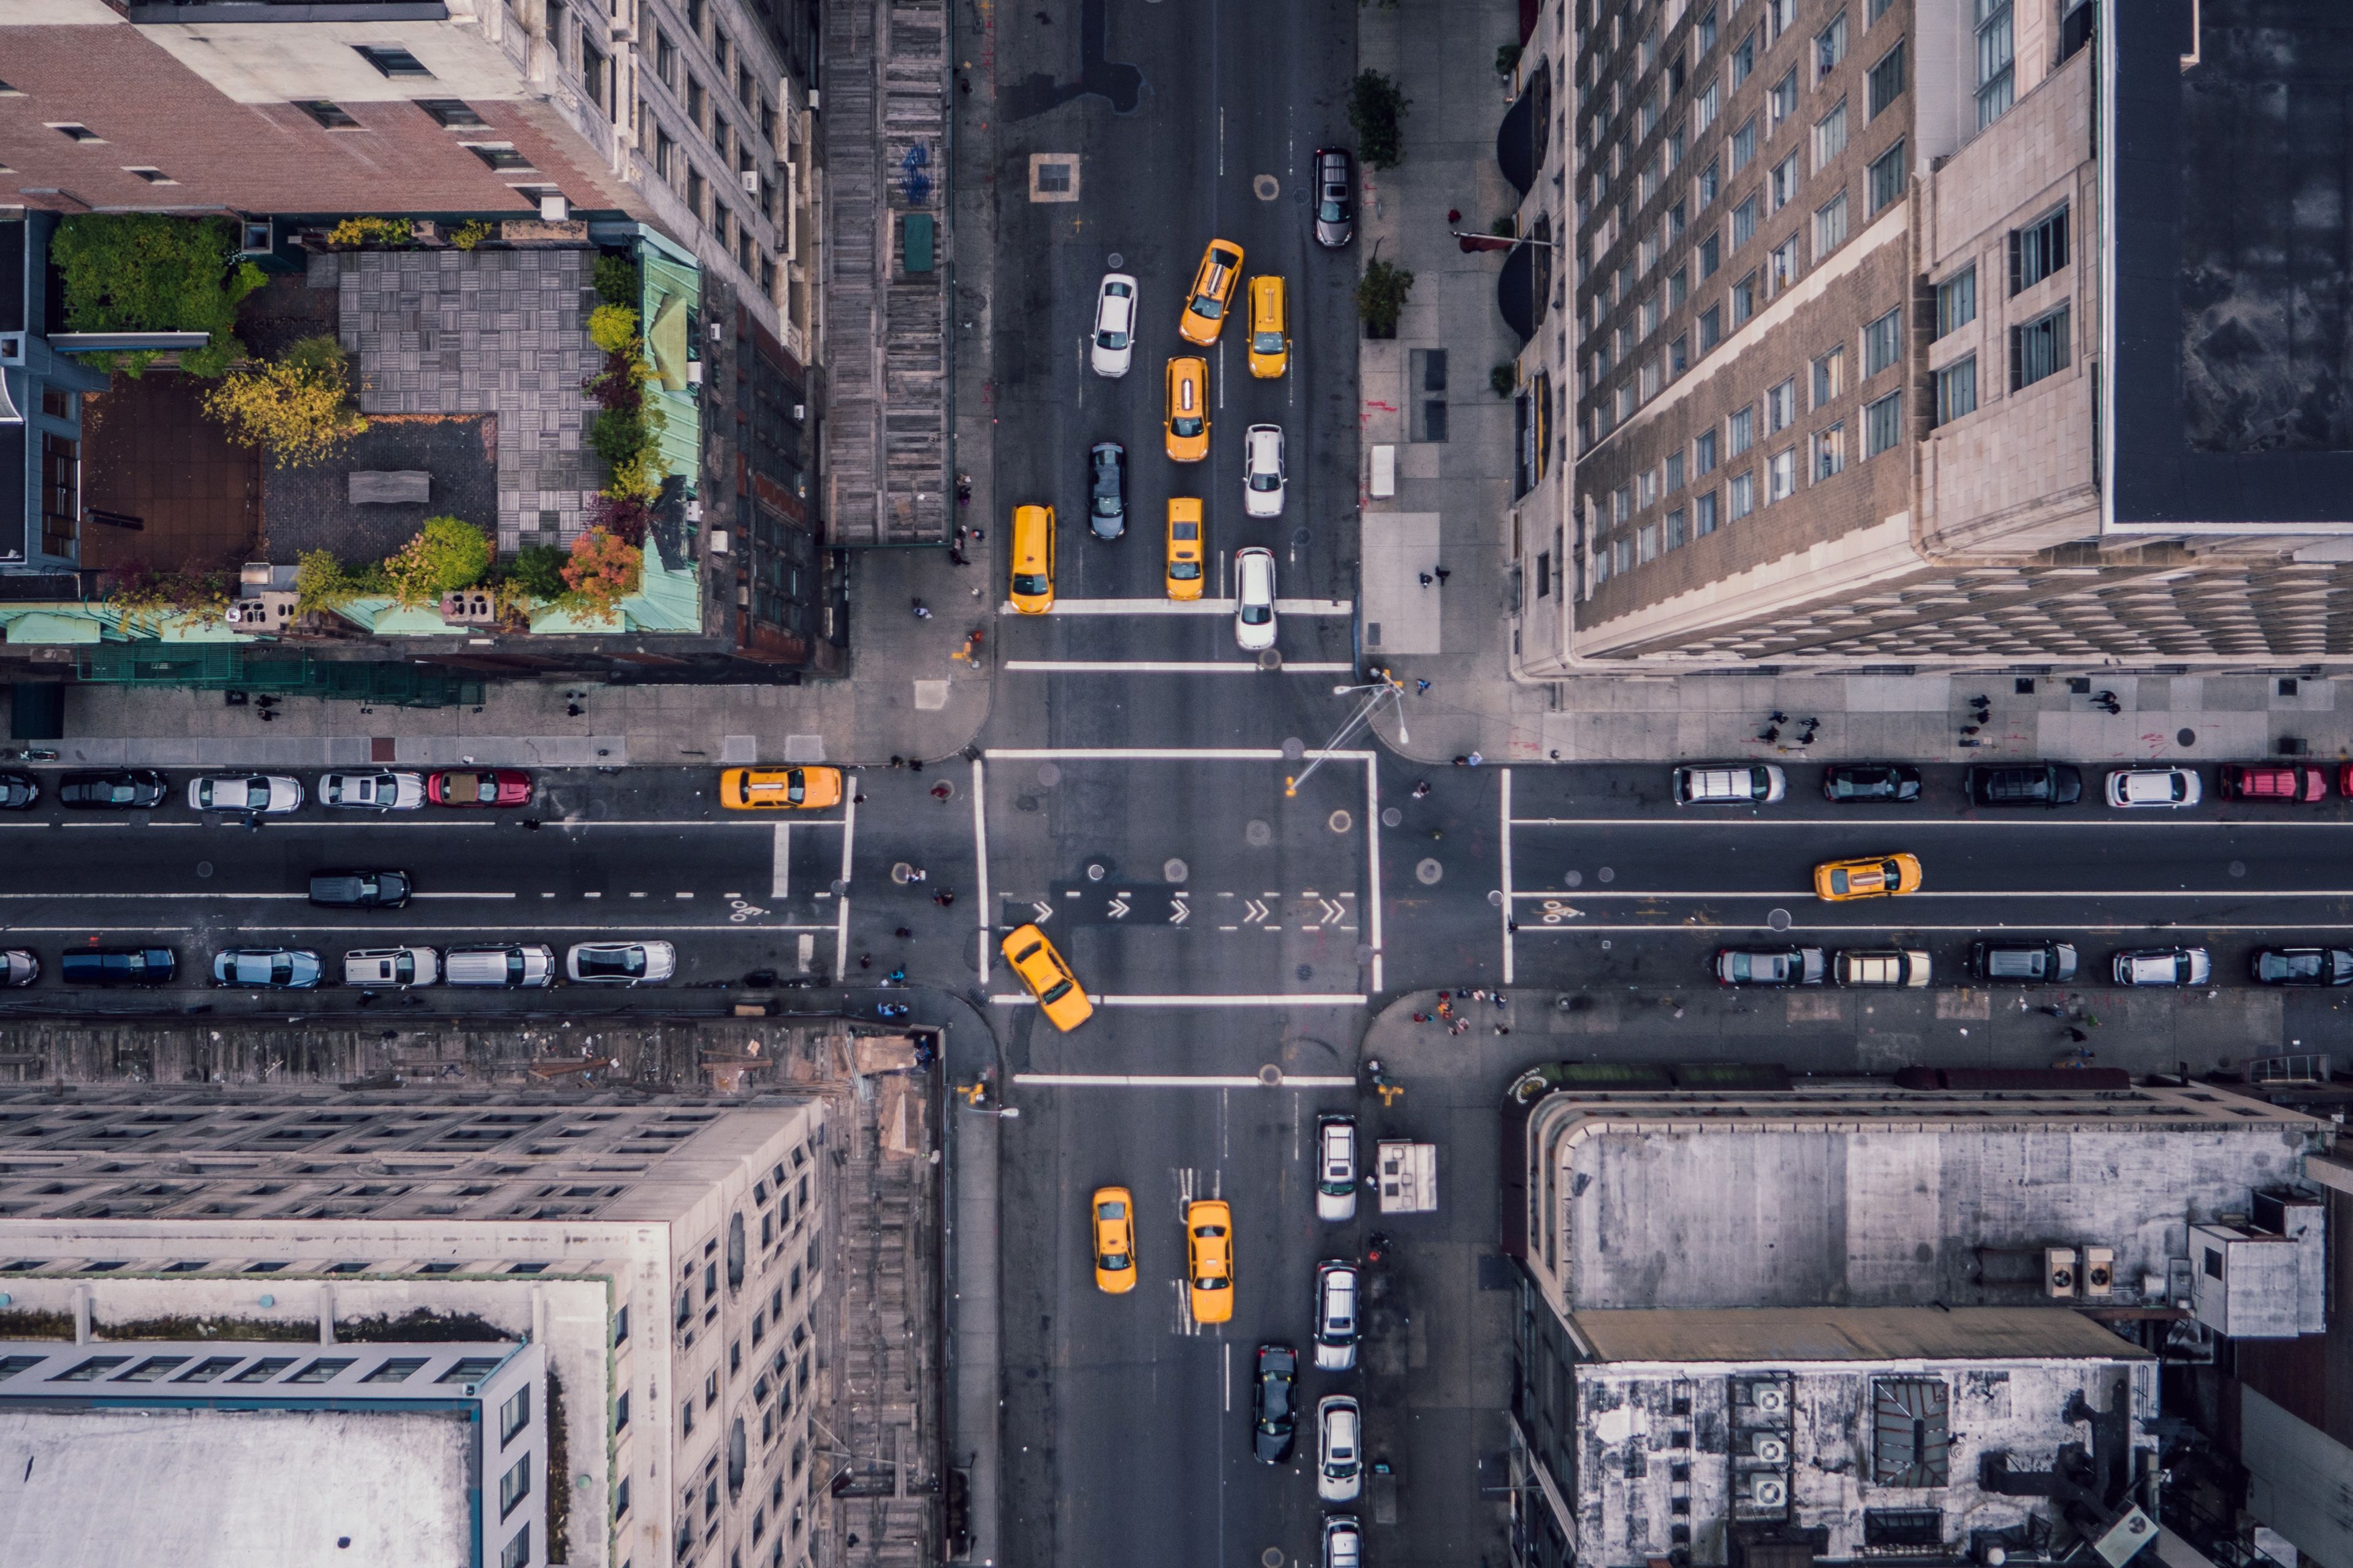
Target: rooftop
point(1771, 1334)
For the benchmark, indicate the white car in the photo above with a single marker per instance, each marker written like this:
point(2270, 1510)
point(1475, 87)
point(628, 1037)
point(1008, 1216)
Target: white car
point(263, 795)
point(620, 963)
point(1336, 1167)
point(373, 792)
point(1336, 1316)
point(1262, 470)
point(1340, 1448)
point(1344, 1542)
point(2130, 787)
point(1114, 349)
point(2164, 966)
point(395, 967)
point(1254, 598)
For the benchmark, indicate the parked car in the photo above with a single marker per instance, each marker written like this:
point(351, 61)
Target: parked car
point(2302, 966)
point(1107, 489)
point(1111, 1232)
point(506, 965)
point(1340, 1468)
point(1872, 876)
point(118, 966)
point(479, 786)
point(2024, 962)
point(1881, 967)
point(1030, 580)
point(1336, 1316)
point(398, 967)
point(779, 789)
point(2023, 783)
point(1855, 784)
point(19, 967)
point(1274, 1403)
point(1344, 1542)
point(1210, 1259)
point(1336, 1167)
point(1114, 349)
point(1262, 476)
point(268, 968)
point(2164, 966)
point(18, 791)
point(1768, 965)
point(389, 790)
point(2133, 788)
point(1254, 625)
point(2280, 782)
point(361, 890)
point(620, 963)
point(261, 795)
point(126, 789)
point(1335, 198)
point(1038, 965)
point(1730, 783)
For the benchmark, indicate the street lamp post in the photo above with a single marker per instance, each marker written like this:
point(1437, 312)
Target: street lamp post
point(1387, 688)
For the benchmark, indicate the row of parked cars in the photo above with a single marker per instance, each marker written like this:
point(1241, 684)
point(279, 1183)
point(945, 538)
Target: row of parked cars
point(275, 794)
point(502, 965)
point(1999, 784)
point(2024, 961)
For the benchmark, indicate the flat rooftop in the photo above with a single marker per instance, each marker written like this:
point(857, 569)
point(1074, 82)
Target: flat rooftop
point(222, 1488)
point(1779, 1334)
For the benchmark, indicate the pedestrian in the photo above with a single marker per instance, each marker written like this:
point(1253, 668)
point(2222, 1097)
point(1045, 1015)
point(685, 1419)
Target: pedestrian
point(898, 761)
point(917, 874)
point(902, 933)
point(1453, 214)
point(1777, 717)
point(2055, 1011)
point(1462, 1027)
point(1422, 1017)
point(1442, 575)
point(1476, 759)
point(531, 824)
point(1426, 579)
point(944, 896)
point(1421, 688)
point(1502, 1030)
point(2076, 1035)
point(898, 975)
point(1478, 996)
point(1502, 1000)
point(915, 764)
point(1772, 733)
point(1462, 762)
point(865, 961)
point(572, 710)
point(1421, 790)
point(858, 799)
point(923, 611)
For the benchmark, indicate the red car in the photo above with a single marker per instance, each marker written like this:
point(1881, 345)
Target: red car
point(479, 786)
point(2275, 782)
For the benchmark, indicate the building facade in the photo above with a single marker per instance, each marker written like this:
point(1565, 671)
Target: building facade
point(666, 1264)
point(1834, 320)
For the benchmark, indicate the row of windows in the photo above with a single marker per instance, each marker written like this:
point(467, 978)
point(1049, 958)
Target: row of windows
point(2038, 350)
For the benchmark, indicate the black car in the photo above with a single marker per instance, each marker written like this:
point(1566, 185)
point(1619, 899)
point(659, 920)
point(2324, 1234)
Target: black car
point(130, 789)
point(2023, 783)
point(1335, 198)
point(2302, 966)
point(1850, 783)
point(360, 890)
point(1107, 489)
point(1274, 1403)
point(18, 791)
point(118, 966)
point(2023, 963)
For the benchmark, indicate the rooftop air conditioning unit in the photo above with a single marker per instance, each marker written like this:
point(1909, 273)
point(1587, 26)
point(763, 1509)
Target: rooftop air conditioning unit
point(694, 512)
point(2058, 1271)
point(720, 541)
point(800, 411)
point(2099, 1270)
point(1770, 1399)
point(1770, 1447)
point(694, 373)
point(247, 612)
point(554, 208)
point(750, 178)
point(1768, 1491)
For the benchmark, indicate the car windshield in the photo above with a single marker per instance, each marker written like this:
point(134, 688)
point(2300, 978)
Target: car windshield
point(1264, 479)
point(1267, 342)
point(1187, 424)
point(1111, 340)
point(1031, 583)
point(1208, 307)
point(795, 786)
point(1184, 571)
point(1257, 614)
point(1331, 211)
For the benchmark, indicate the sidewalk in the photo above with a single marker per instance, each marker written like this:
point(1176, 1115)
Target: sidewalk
point(905, 695)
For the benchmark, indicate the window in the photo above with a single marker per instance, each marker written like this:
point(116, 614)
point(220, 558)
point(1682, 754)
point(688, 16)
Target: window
point(2038, 250)
point(1647, 185)
point(1881, 340)
point(515, 1413)
point(153, 176)
point(621, 1412)
point(517, 1552)
point(1782, 101)
point(1544, 574)
point(1887, 79)
point(514, 1486)
point(454, 113)
point(1910, 1432)
point(1781, 406)
point(1704, 31)
point(665, 59)
point(61, 492)
point(592, 74)
point(1673, 149)
point(76, 133)
point(390, 61)
point(1646, 118)
point(1883, 423)
point(1674, 471)
point(1995, 47)
point(1744, 300)
point(1781, 476)
point(2038, 349)
point(1886, 177)
point(1625, 552)
point(1704, 453)
point(1744, 223)
point(1674, 529)
point(1829, 452)
point(1781, 186)
point(1957, 390)
point(1703, 515)
point(1678, 287)
point(1829, 136)
point(621, 1498)
point(694, 101)
point(1830, 226)
point(1646, 544)
point(1711, 257)
point(1675, 220)
point(323, 1370)
point(1678, 356)
point(1621, 503)
point(399, 1369)
point(1875, 10)
point(1830, 47)
point(1649, 311)
point(1743, 144)
point(1780, 16)
point(1703, 189)
point(620, 1325)
point(665, 153)
point(1743, 491)
point(1744, 57)
point(498, 155)
point(1711, 328)
point(1739, 431)
point(330, 115)
point(1829, 376)
point(1781, 266)
point(1705, 106)
point(1956, 301)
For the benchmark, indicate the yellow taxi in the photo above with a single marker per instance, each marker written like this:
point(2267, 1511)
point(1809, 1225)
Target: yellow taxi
point(779, 789)
point(1033, 560)
point(1048, 979)
point(1210, 1259)
point(1115, 1226)
point(1213, 287)
point(1188, 410)
point(1270, 340)
point(1187, 548)
point(1872, 876)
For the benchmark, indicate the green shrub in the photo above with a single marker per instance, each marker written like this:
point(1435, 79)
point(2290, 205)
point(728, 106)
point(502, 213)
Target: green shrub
point(323, 583)
point(144, 272)
point(1504, 379)
point(1506, 56)
point(536, 570)
point(616, 280)
point(618, 435)
point(447, 553)
point(298, 408)
point(1376, 105)
point(1380, 297)
point(614, 329)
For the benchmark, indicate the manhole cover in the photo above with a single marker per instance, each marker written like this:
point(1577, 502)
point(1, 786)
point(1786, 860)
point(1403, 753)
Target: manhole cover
point(1778, 919)
point(1270, 1074)
point(1116, 260)
point(203, 868)
point(1049, 773)
point(1392, 816)
point(1340, 822)
point(1258, 834)
point(1294, 748)
point(1427, 872)
point(2238, 868)
point(1174, 870)
point(1607, 874)
point(1266, 187)
point(1495, 898)
point(901, 872)
point(1095, 870)
point(1272, 1555)
point(2185, 737)
point(1574, 880)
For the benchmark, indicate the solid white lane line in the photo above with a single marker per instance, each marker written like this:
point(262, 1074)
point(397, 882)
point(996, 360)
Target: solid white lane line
point(660, 926)
point(780, 870)
point(1159, 754)
point(457, 895)
point(980, 859)
point(157, 898)
point(1567, 894)
point(2156, 934)
point(841, 911)
point(1898, 825)
point(1373, 860)
point(1277, 999)
point(1165, 667)
point(1172, 1080)
point(1221, 606)
point(1505, 780)
point(85, 930)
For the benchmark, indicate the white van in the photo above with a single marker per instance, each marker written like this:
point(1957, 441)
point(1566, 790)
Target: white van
point(1730, 783)
point(513, 964)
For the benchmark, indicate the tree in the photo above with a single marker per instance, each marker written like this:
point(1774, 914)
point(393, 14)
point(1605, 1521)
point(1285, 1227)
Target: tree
point(323, 583)
point(298, 408)
point(144, 272)
point(1380, 297)
point(537, 572)
point(616, 280)
point(1376, 105)
point(603, 570)
point(614, 329)
point(446, 554)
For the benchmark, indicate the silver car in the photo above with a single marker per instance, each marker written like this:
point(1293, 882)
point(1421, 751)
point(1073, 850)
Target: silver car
point(1262, 470)
point(1112, 349)
point(384, 791)
point(1336, 1167)
point(2164, 966)
point(620, 963)
point(1254, 598)
point(1340, 1448)
point(261, 795)
point(1344, 1542)
point(1336, 1316)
